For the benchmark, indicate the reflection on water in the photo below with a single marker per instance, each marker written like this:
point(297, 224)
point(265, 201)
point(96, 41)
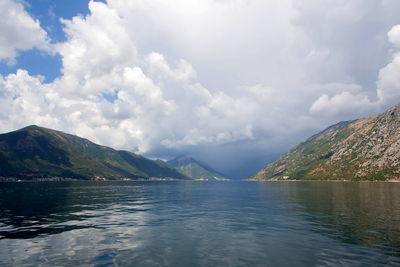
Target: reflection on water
point(360, 213)
point(199, 223)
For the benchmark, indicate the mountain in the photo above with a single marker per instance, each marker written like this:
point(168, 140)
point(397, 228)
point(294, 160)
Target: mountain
point(35, 152)
point(365, 149)
point(194, 169)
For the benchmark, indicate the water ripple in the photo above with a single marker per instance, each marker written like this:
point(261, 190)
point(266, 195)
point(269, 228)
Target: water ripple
point(199, 224)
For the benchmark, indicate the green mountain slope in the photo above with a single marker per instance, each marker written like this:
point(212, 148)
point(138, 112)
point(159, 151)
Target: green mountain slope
point(36, 152)
point(365, 149)
point(194, 169)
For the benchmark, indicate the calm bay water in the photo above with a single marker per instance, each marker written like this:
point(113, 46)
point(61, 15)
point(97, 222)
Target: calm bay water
point(199, 223)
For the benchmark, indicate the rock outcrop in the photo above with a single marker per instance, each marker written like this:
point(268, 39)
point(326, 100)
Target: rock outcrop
point(365, 149)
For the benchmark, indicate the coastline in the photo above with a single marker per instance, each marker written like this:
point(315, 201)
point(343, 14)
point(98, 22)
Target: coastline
point(66, 179)
point(333, 181)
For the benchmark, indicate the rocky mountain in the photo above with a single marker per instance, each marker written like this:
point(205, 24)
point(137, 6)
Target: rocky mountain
point(365, 149)
point(194, 169)
point(39, 153)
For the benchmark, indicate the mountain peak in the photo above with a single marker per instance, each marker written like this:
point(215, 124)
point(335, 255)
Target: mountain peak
point(35, 127)
point(38, 129)
point(181, 159)
point(194, 169)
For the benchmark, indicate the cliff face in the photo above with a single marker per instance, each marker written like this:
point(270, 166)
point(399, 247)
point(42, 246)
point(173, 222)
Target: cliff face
point(365, 149)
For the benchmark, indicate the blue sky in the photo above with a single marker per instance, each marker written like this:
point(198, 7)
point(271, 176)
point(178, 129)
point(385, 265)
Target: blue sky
point(233, 83)
point(49, 14)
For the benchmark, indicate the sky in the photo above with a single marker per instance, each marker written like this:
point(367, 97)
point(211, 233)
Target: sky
point(232, 83)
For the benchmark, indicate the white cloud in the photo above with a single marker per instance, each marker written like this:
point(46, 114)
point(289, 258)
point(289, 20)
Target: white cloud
point(389, 76)
point(19, 31)
point(341, 104)
point(389, 82)
point(183, 72)
point(394, 35)
point(98, 47)
point(24, 99)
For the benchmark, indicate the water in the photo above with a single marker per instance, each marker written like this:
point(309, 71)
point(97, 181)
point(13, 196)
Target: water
point(199, 223)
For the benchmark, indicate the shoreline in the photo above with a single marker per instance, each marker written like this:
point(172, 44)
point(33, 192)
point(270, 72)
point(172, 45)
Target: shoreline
point(332, 181)
point(66, 179)
point(62, 179)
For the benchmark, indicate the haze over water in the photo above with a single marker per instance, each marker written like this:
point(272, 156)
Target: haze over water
point(199, 223)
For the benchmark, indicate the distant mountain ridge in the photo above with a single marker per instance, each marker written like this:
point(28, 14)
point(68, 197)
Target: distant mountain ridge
point(194, 169)
point(35, 152)
point(365, 149)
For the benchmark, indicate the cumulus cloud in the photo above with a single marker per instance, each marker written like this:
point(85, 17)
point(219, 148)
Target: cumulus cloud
point(19, 31)
point(194, 76)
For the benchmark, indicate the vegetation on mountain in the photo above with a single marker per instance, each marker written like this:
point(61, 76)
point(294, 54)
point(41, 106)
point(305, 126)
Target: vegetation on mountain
point(35, 152)
point(365, 149)
point(194, 169)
